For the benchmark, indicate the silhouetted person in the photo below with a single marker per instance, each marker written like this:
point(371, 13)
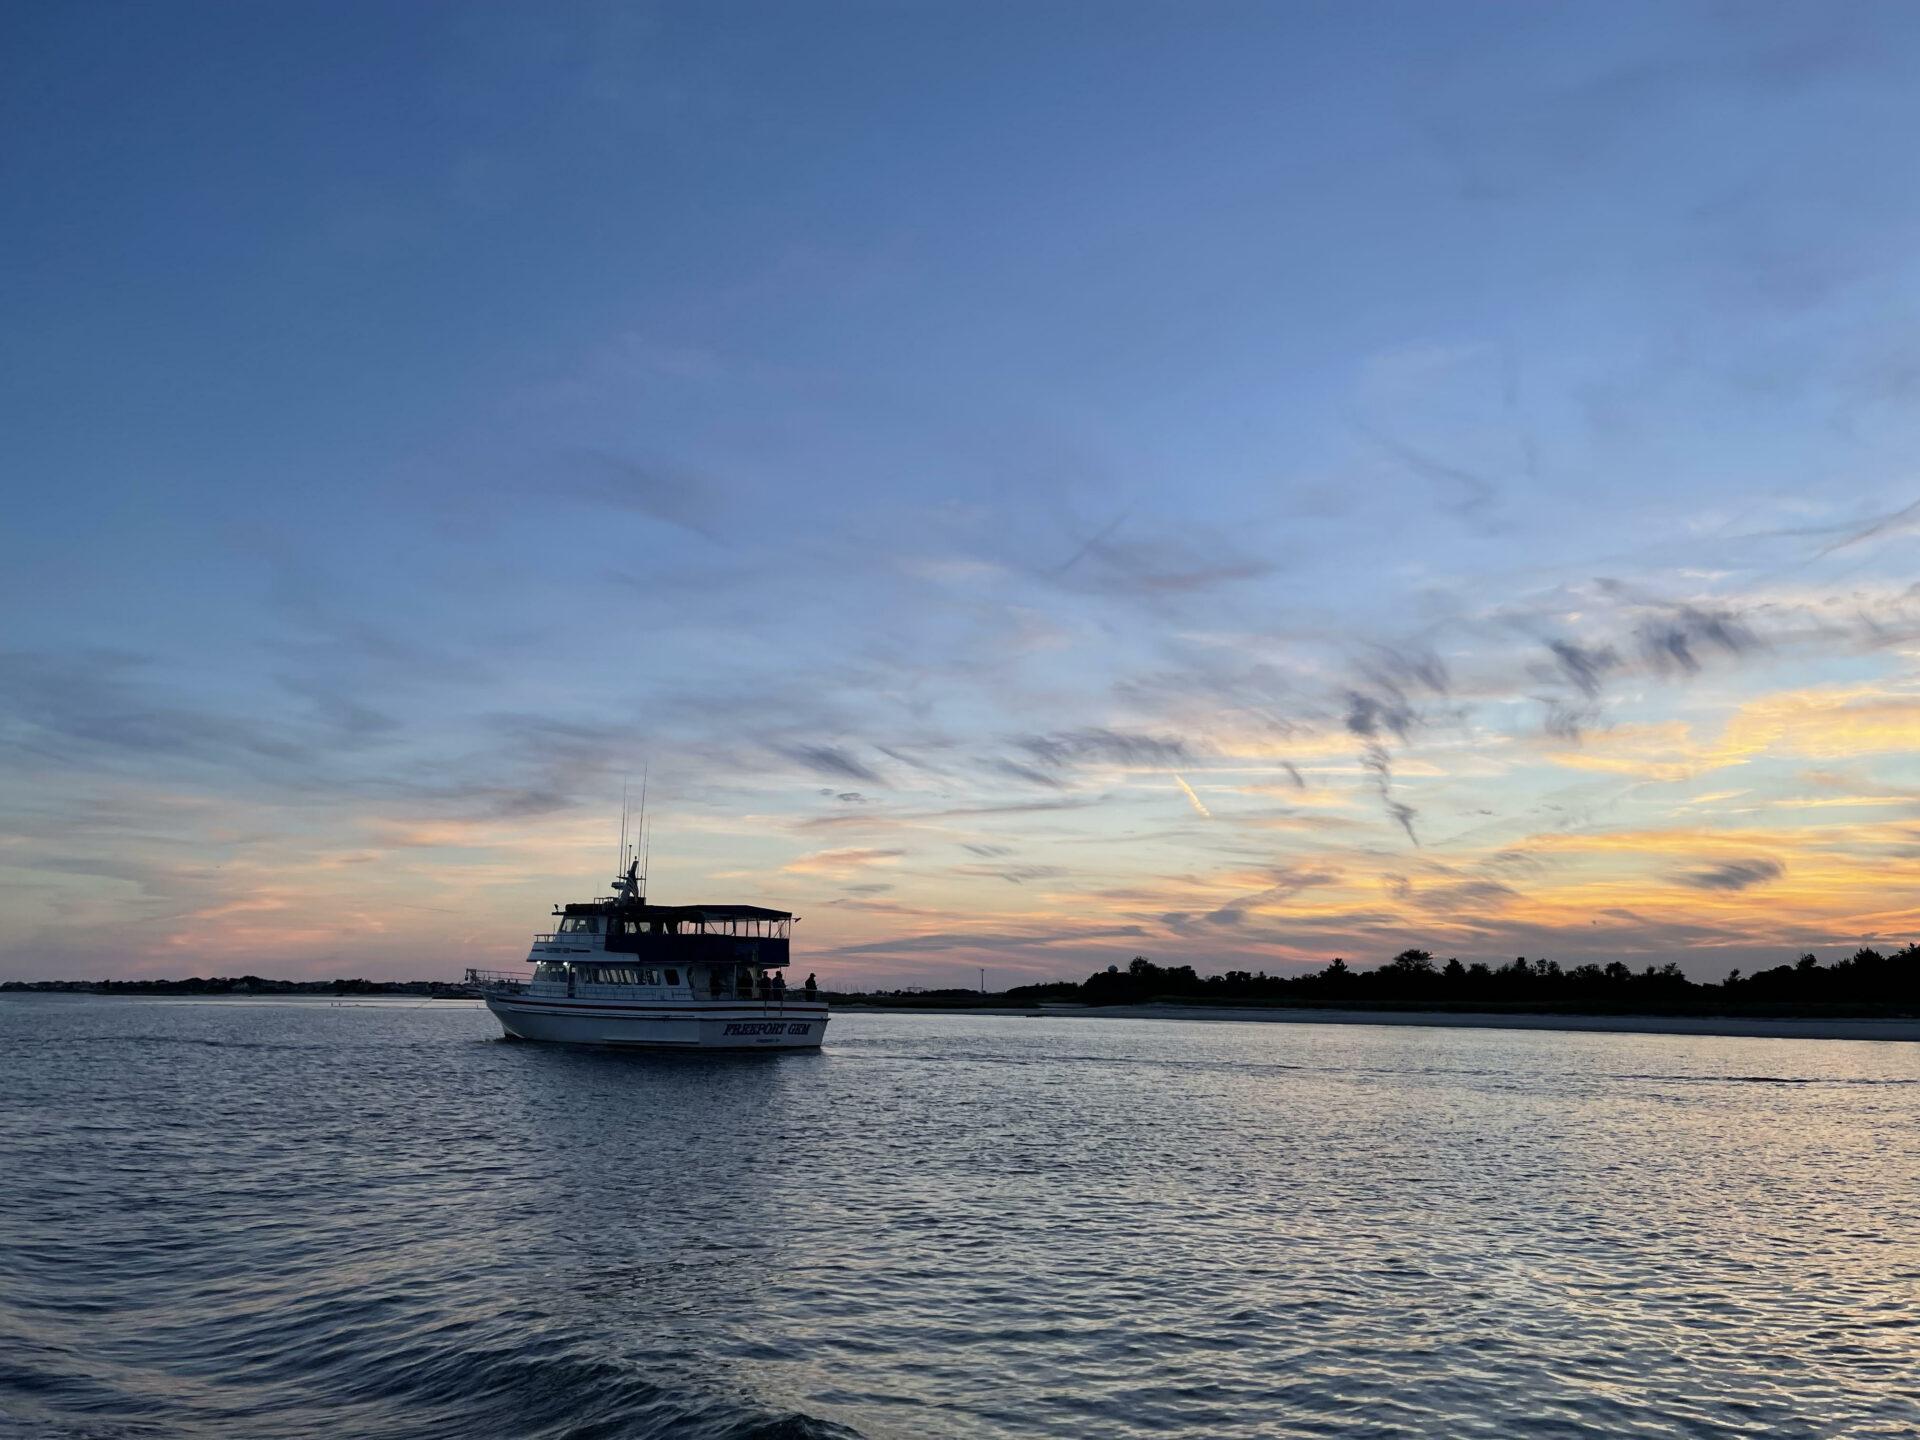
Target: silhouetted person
point(812, 989)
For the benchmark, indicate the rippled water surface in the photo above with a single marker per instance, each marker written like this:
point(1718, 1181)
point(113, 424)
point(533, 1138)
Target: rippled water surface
point(278, 1219)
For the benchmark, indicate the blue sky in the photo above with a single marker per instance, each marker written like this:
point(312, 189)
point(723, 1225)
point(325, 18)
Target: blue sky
point(1035, 484)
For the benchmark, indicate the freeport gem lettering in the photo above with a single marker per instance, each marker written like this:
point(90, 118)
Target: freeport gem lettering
point(770, 1027)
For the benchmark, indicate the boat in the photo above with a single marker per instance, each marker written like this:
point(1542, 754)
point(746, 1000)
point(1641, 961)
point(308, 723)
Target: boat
point(618, 971)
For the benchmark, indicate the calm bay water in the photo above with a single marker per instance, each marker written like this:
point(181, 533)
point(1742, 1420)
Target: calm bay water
point(291, 1219)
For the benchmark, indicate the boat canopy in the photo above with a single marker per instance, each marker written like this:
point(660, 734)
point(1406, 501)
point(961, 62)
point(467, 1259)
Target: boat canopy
point(683, 934)
point(675, 914)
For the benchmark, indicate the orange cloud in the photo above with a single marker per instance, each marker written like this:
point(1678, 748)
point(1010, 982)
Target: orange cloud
point(1830, 724)
point(840, 862)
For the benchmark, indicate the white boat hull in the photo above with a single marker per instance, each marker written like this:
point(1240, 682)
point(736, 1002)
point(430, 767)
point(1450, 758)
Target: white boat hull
point(700, 1025)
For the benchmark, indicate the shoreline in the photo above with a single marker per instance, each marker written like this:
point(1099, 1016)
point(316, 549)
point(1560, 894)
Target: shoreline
point(1733, 1026)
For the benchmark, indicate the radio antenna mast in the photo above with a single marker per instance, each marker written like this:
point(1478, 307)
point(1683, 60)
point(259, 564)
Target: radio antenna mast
point(640, 837)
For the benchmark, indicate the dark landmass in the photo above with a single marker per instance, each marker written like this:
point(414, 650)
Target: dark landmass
point(1866, 984)
point(244, 985)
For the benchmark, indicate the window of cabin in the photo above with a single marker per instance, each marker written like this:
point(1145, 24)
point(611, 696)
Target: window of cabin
point(673, 977)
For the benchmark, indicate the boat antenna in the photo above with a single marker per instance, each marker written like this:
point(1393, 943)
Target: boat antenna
point(641, 834)
point(625, 781)
point(646, 858)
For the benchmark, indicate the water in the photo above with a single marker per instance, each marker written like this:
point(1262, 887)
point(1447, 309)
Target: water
point(283, 1219)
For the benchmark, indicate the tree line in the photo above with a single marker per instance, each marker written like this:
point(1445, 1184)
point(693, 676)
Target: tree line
point(234, 985)
point(1866, 977)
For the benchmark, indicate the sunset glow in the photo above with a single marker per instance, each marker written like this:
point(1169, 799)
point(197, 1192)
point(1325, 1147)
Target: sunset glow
point(1463, 513)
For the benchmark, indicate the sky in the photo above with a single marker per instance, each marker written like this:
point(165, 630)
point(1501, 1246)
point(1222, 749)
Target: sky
point(1026, 484)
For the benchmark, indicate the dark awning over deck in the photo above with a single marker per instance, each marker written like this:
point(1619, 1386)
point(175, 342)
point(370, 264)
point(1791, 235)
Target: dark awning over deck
point(682, 914)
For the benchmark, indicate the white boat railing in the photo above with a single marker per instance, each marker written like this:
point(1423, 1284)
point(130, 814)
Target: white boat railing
point(516, 981)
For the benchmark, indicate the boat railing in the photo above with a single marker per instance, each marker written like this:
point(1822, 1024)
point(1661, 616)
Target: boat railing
point(518, 980)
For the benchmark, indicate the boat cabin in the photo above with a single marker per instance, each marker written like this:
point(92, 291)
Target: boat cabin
point(629, 949)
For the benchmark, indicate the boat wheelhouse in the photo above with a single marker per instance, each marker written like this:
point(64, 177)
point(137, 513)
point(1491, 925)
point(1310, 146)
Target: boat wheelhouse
point(620, 971)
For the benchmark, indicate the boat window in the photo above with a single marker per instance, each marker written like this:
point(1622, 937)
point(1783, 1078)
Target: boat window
point(673, 977)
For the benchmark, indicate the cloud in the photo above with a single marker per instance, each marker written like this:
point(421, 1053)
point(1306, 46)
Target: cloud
point(1013, 874)
point(1671, 643)
point(1733, 875)
point(1825, 724)
point(1169, 564)
point(1892, 523)
point(1583, 667)
point(658, 492)
point(988, 942)
point(1192, 798)
point(1366, 717)
point(840, 862)
point(1013, 769)
point(830, 760)
point(1464, 492)
point(1113, 746)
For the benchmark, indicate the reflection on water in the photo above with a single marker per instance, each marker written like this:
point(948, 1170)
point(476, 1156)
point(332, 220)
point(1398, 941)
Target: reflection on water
point(288, 1219)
